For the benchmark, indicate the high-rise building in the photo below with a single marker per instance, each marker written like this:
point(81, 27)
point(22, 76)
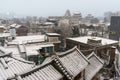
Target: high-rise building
point(114, 28)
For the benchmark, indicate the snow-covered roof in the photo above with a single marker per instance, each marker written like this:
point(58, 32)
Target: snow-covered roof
point(84, 40)
point(15, 25)
point(74, 61)
point(41, 72)
point(21, 48)
point(53, 34)
point(4, 51)
point(5, 35)
point(13, 49)
point(28, 39)
point(69, 64)
point(2, 27)
point(95, 65)
point(48, 23)
point(29, 49)
point(46, 45)
point(32, 49)
point(10, 66)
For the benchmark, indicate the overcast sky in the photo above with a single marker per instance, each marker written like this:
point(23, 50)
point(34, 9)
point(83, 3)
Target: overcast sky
point(58, 7)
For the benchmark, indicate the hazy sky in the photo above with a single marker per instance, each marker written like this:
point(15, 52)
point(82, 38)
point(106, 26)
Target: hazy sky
point(58, 7)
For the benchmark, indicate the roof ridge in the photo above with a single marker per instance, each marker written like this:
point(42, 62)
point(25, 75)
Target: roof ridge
point(83, 55)
point(6, 55)
point(66, 52)
point(93, 54)
point(34, 69)
point(4, 51)
point(70, 50)
point(22, 60)
point(62, 67)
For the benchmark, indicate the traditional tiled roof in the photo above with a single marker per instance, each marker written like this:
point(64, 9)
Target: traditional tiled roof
point(9, 65)
point(3, 51)
point(65, 65)
point(41, 72)
point(95, 65)
point(73, 61)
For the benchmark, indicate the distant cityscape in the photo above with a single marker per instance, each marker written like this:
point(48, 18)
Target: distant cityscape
point(66, 47)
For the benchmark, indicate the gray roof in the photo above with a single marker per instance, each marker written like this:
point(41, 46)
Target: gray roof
point(5, 35)
point(27, 39)
point(53, 34)
point(4, 51)
point(74, 61)
point(69, 63)
point(15, 25)
point(9, 65)
point(95, 65)
point(41, 72)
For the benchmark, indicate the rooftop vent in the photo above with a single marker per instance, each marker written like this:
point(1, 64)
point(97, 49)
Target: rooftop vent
point(94, 41)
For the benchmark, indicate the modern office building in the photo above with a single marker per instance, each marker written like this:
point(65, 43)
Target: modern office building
point(114, 28)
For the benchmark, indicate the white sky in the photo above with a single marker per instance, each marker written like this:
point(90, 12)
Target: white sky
point(58, 7)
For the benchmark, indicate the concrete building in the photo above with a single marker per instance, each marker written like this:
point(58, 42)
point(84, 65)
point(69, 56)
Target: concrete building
point(101, 46)
point(114, 28)
point(34, 47)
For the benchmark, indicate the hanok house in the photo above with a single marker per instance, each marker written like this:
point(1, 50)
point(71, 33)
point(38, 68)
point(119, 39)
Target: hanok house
point(41, 72)
point(69, 65)
point(102, 47)
point(19, 30)
point(11, 66)
point(72, 64)
point(94, 70)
